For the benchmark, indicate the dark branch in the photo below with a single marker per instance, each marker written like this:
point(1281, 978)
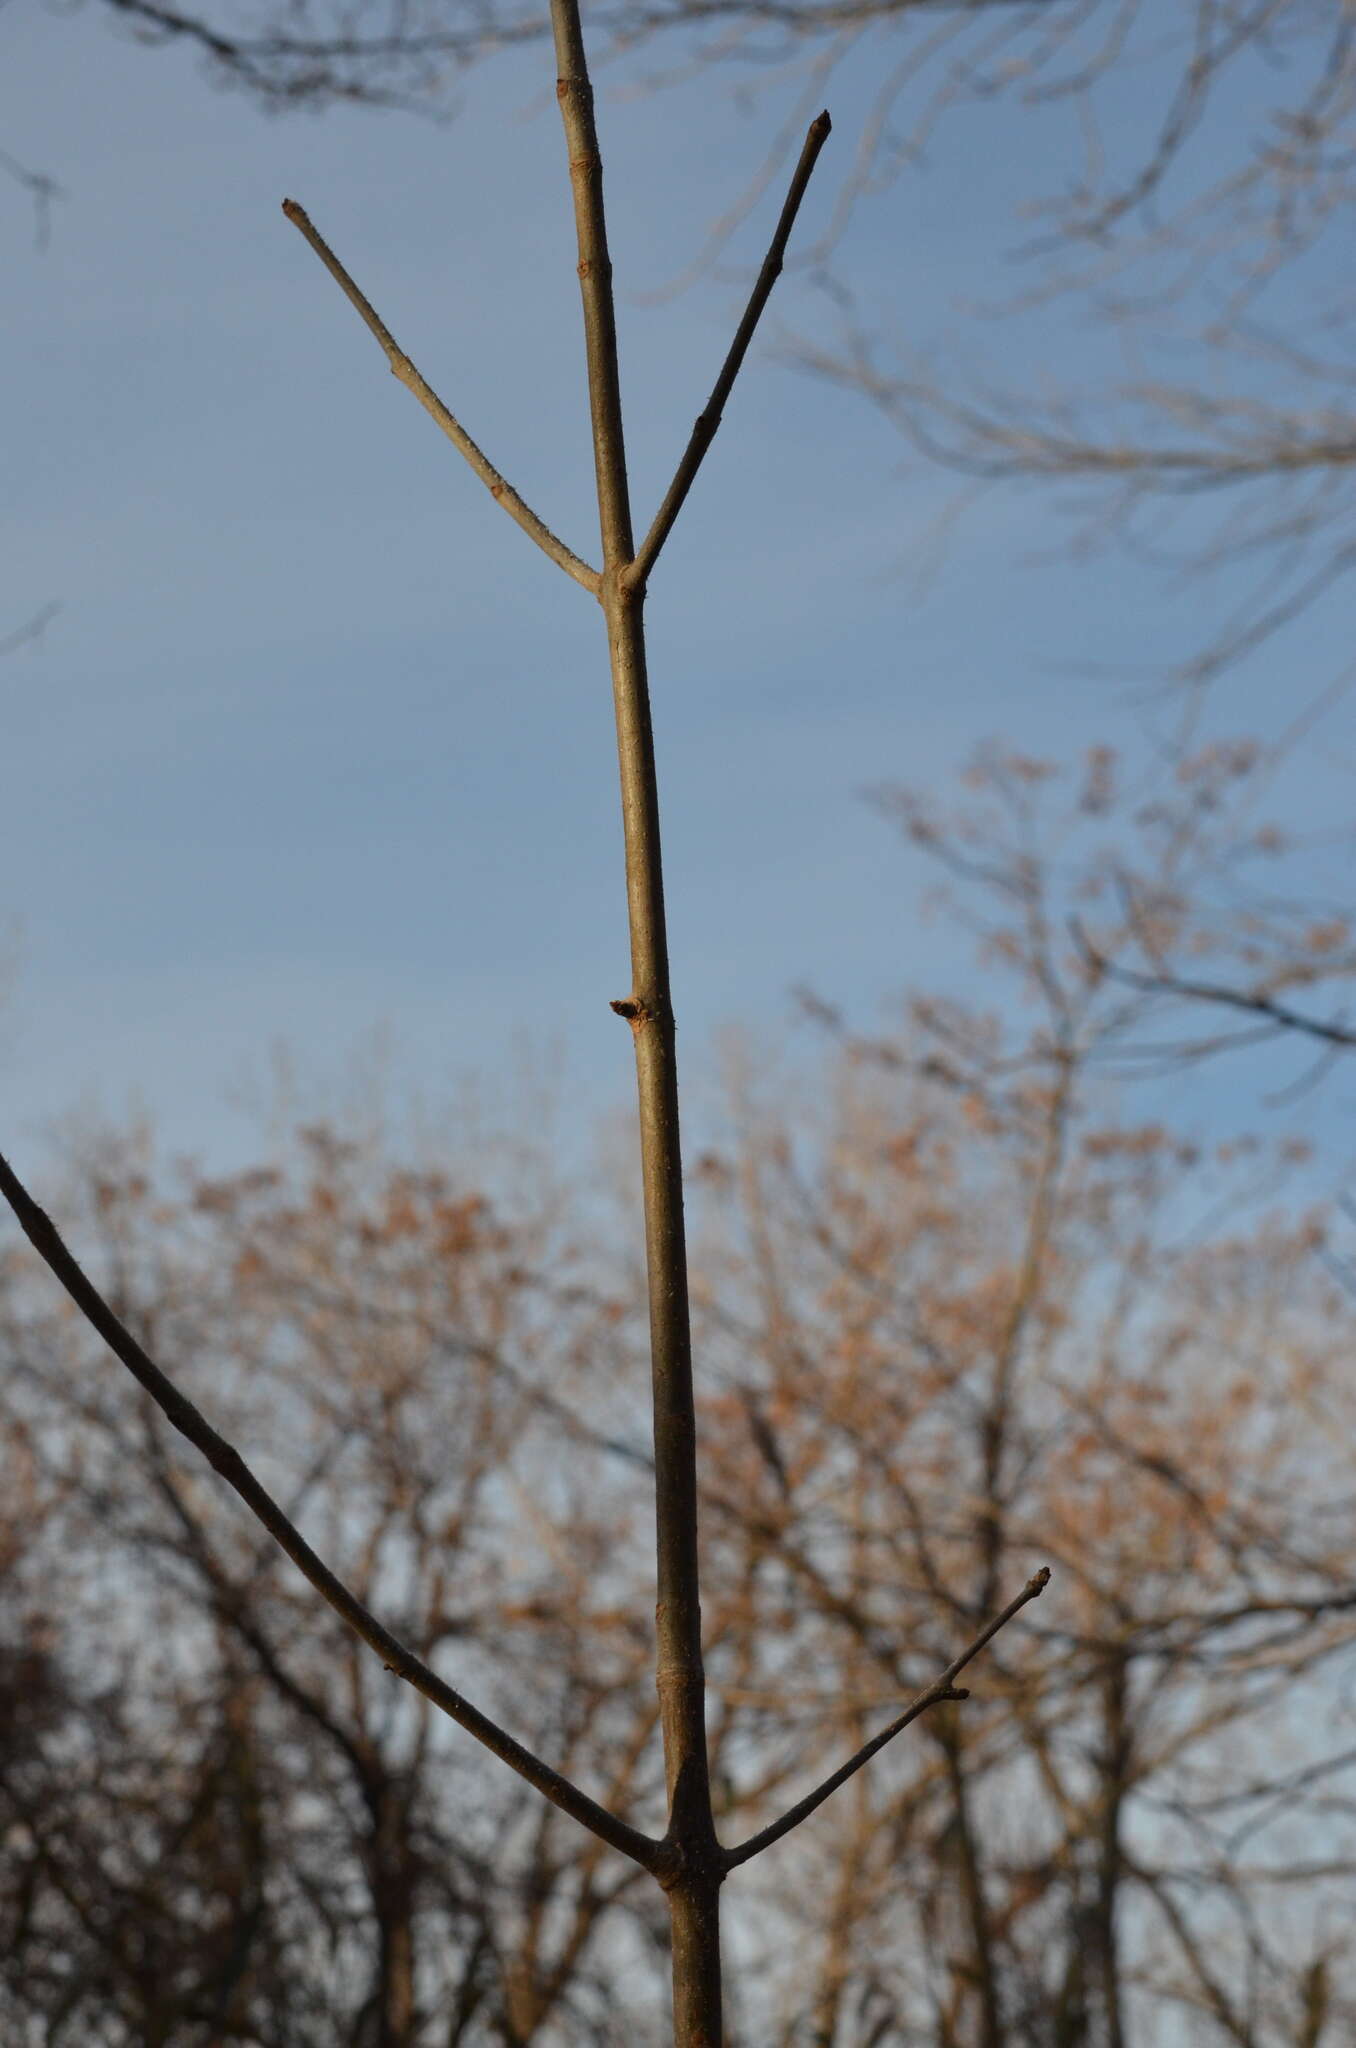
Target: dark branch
point(47, 1241)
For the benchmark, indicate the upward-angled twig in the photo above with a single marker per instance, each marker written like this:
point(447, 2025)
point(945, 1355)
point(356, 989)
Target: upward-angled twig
point(47, 1241)
point(942, 1688)
point(404, 370)
point(703, 433)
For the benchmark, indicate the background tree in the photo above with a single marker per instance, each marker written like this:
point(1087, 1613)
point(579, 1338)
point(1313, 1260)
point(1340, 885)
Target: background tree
point(972, 1302)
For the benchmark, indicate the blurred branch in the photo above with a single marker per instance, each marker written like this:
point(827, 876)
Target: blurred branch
point(33, 630)
point(1279, 1016)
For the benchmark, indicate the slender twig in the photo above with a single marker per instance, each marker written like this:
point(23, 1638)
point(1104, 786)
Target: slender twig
point(406, 373)
point(47, 1241)
point(942, 1688)
point(703, 433)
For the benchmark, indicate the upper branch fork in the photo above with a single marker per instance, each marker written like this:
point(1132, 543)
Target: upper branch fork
point(631, 567)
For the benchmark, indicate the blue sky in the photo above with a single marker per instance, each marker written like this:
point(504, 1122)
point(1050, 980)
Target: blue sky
point(318, 743)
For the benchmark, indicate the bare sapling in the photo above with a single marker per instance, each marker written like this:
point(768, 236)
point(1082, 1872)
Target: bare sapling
point(688, 1861)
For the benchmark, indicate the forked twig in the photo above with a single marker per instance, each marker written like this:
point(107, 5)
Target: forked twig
point(703, 431)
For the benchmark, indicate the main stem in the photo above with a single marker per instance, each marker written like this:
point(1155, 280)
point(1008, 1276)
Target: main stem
point(692, 1869)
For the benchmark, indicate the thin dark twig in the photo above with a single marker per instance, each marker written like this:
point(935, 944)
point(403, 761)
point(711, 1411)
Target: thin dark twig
point(47, 1241)
point(704, 431)
point(405, 372)
point(941, 1689)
